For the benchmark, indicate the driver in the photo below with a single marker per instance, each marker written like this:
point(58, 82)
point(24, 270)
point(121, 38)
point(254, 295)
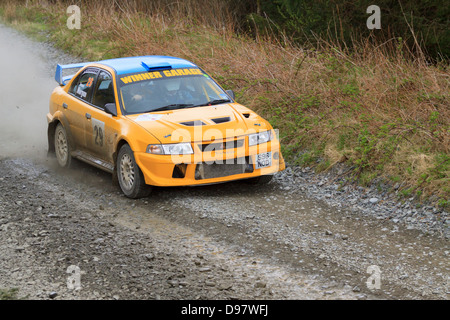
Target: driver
point(136, 93)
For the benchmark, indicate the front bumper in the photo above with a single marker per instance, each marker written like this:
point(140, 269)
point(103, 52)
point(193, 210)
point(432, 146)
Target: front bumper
point(208, 168)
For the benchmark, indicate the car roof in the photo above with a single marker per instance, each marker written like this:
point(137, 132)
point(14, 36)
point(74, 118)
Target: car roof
point(146, 63)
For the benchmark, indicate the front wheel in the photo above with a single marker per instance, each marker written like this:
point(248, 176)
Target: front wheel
point(131, 179)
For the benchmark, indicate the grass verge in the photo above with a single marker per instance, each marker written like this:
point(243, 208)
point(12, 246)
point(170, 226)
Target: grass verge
point(9, 294)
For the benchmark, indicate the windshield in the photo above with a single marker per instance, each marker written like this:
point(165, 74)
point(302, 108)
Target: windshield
point(168, 89)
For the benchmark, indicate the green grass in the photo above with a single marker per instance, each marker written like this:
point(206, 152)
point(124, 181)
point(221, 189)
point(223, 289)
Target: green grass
point(9, 294)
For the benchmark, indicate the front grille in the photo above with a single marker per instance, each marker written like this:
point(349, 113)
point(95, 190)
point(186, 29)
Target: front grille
point(223, 145)
point(218, 170)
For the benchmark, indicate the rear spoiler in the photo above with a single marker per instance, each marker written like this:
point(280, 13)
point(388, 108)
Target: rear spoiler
point(59, 70)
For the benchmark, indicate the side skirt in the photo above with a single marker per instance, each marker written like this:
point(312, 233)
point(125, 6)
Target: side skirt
point(94, 161)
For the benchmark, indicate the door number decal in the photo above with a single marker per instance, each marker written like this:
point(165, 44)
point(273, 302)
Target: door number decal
point(99, 132)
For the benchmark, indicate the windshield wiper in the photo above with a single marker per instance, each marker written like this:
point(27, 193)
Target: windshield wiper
point(173, 106)
point(213, 102)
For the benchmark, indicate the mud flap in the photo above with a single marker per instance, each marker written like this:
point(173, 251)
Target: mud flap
point(51, 138)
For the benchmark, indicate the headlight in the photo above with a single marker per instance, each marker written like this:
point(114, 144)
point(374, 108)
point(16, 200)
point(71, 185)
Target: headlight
point(177, 148)
point(259, 138)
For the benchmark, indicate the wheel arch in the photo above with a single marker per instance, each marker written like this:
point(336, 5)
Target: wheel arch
point(58, 118)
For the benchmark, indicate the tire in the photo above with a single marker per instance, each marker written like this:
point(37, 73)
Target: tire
point(131, 179)
point(62, 147)
point(260, 180)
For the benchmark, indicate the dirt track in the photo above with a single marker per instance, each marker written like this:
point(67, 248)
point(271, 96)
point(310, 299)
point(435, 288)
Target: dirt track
point(229, 241)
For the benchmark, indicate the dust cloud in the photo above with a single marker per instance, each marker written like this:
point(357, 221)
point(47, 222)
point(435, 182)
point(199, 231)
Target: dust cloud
point(25, 87)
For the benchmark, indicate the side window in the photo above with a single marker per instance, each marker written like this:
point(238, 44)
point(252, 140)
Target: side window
point(104, 91)
point(74, 86)
point(86, 85)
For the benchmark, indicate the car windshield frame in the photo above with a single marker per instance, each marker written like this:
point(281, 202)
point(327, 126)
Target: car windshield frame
point(146, 92)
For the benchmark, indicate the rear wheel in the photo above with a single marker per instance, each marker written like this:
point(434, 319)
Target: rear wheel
point(62, 147)
point(131, 179)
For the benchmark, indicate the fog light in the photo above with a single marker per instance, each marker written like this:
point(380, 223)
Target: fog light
point(179, 171)
point(276, 155)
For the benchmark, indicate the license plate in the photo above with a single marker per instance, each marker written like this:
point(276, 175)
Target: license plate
point(263, 160)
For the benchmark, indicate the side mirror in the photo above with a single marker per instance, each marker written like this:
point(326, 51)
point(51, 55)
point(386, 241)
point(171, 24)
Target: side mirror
point(231, 94)
point(111, 109)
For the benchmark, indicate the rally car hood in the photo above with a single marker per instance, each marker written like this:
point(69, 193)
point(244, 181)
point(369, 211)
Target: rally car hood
point(201, 123)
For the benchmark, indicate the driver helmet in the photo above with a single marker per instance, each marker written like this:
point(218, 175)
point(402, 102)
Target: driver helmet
point(172, 85)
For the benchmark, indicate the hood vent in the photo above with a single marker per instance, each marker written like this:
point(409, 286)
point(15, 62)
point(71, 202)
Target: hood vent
point(221, 120)
point(193, 123)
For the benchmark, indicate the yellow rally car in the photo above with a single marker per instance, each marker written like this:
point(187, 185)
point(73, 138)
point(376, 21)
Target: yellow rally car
point(157, 121)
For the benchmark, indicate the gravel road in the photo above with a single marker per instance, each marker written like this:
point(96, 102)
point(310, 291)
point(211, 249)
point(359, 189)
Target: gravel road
point(303, 236)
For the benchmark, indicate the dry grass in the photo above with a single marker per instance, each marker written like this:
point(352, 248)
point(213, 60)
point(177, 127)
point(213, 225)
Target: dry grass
point(380, 107)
